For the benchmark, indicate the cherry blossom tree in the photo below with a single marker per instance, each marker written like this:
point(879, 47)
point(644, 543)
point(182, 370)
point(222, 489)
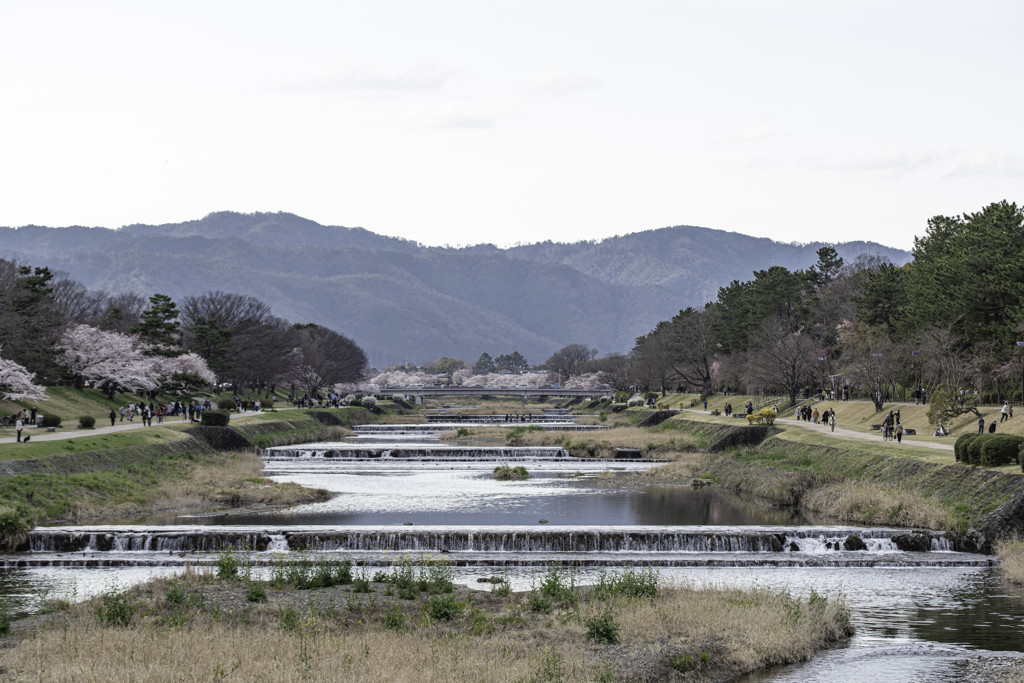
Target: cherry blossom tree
point(17, 383)
point(116, 361)
point(180, 373)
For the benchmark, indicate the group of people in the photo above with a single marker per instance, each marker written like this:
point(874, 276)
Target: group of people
point(147, 411)
point(814, 416)
point(892, 427)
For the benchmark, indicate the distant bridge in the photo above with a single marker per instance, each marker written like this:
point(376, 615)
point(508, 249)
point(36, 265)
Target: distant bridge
point(419, 393)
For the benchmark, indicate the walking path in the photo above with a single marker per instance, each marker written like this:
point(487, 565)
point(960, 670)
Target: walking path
point(40, 434)
point(841, 433)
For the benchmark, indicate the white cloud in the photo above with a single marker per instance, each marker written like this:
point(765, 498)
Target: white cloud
point(998, 165)
point(758, 133)
point(361, 78)
point(562, 84)
point(896, 161)
point(458, 118)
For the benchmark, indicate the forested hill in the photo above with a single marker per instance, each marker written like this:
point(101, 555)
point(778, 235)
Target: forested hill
point(690, 261)
point(403, 301)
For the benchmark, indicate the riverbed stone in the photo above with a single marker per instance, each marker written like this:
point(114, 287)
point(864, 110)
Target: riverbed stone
point(854, 542)
point(776, 546)
point(793, 547)
point(913, 542)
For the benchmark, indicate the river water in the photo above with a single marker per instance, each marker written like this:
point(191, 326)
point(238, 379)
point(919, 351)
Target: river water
point(915, 613)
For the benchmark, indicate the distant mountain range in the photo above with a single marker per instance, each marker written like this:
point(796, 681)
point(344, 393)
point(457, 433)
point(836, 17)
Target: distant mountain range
point(404, 301)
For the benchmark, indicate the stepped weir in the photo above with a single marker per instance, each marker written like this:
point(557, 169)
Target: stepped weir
point(486, 546)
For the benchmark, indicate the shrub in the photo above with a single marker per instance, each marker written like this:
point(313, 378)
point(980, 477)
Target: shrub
point(1000, 449)
point(350, 398)
point(115, 608)
point(629, 584)
point(651, 394)
point(602, 629)
point(369, 401)
point(960, 447)
point(87, 421)
point(764, 416)
point(442, 607)
point(538, 602)
point(603, 417)
point(226, 404)
point(267, 402)
point(256, 592)
point(15, 523)
point(973, 450)
point(398, 397)
point(51, 420)
point(227, 566)
point(215, 418)
point(394, 618)
point(634, 402)
point(175, 594)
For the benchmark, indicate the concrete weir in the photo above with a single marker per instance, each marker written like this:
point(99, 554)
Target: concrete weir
point(414, 451)
point(497, 539)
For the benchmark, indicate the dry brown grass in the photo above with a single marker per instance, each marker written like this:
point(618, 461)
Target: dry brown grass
point(495, 638)
point(682, 470)
point(1011, 559)
point(864, 503)
point(225, 479)
point(599, 444)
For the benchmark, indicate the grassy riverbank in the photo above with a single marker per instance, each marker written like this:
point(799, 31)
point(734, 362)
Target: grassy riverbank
point(410, 623)
point(160, 468)
point(652, 442)
point(183, 481)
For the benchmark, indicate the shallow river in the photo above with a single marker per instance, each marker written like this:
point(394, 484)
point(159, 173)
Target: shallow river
point(914, 612)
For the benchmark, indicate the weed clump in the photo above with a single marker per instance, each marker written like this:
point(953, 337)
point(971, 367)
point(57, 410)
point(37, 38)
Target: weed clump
point(506, 473)
point(602, 629)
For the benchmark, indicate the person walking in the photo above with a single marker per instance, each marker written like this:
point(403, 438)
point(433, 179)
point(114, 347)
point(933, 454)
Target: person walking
point(18, 425)
point(981, 425)
point(992, 427)
point(1005, 412)
point(113, 417)
point(899, 433)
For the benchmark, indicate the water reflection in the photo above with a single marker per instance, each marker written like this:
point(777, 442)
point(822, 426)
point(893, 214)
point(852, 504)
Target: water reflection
point(466, 496)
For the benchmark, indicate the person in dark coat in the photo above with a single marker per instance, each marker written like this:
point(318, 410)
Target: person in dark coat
point(113, 417)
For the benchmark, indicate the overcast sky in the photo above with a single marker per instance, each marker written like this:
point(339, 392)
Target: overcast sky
point(466, 122)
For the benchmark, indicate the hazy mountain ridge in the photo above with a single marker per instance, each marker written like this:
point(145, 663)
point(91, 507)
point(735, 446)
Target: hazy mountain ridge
point(403, 301)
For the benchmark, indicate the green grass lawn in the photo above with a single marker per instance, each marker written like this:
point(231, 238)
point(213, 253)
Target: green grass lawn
point(92, 442)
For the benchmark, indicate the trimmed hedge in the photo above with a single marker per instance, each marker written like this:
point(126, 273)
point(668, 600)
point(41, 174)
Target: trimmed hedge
point(215, 418)
point(1000, 449)
point(960, 447)
point(87, 421)
point(266, 403)
point(973, 450)
point(51, 420)
point(226, 404)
